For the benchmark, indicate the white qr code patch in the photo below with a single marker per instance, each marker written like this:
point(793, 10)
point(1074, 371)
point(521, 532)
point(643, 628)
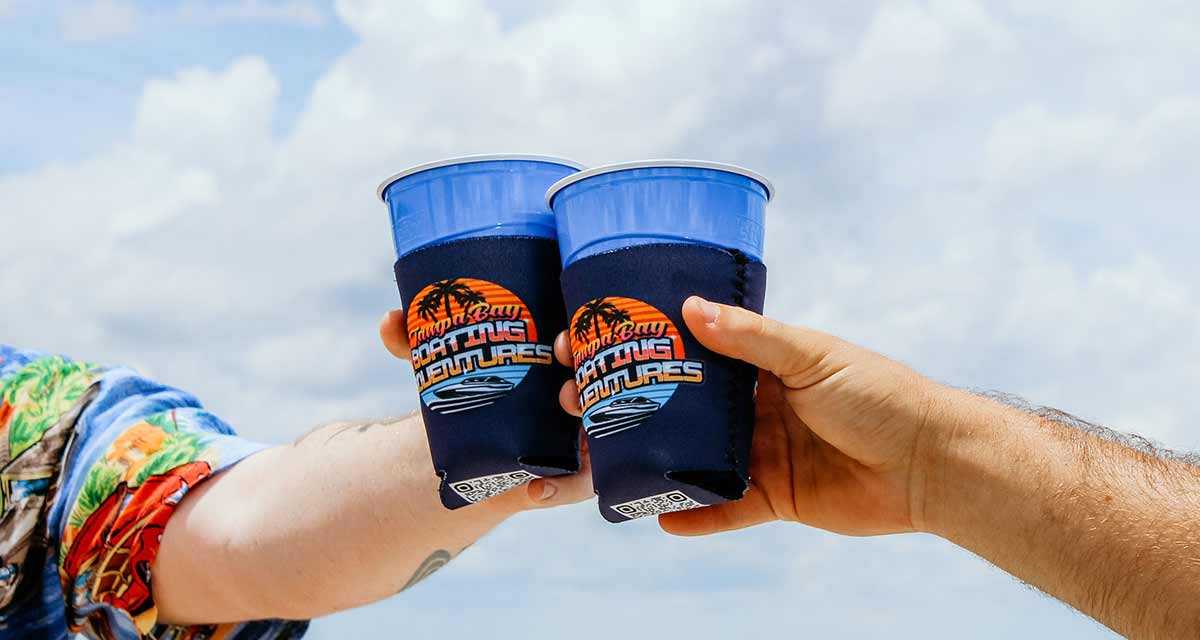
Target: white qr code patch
point(484, 487)
point(654, 505)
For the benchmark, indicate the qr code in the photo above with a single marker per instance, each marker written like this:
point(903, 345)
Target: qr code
point(654, 505)
point(484, 487)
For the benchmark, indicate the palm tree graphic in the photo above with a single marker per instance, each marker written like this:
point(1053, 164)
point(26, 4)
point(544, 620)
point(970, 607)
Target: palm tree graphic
point(444, 293)
point(594, 313)
point(615, 319)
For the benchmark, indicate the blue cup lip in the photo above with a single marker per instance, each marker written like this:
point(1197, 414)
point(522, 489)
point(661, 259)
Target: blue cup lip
point(469, 159)
point(666, 163)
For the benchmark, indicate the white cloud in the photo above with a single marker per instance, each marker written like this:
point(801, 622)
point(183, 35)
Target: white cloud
point(999, 200)
point(308, 358)
point(914, 53)
point(296, 12)
point(1112, 24)
point(1168, 134)
point(912, 226)
point(1031, 144)
point(222, 120)
point(98, 20)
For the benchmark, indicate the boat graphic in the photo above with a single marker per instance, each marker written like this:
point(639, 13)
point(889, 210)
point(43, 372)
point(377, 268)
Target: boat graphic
point(469, 393)
point(621, 414)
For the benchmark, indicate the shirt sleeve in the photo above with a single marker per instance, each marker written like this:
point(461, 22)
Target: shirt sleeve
point(140, 447)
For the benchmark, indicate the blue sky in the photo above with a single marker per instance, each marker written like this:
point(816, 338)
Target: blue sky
point(1001, 194)
point(52, 74)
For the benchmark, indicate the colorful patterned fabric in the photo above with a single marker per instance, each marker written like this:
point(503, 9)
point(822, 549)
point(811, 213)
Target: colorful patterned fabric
point(93, 462)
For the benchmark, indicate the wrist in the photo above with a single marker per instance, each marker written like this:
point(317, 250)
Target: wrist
point(959, 453)
point(499, 508)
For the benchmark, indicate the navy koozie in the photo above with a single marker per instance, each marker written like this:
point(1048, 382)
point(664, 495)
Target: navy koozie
point(478, 274)
point(669, 423)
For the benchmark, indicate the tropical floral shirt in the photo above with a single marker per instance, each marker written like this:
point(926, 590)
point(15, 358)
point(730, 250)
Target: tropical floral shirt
point(93, 461)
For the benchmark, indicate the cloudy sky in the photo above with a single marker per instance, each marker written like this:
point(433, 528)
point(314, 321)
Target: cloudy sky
point(1003, 195)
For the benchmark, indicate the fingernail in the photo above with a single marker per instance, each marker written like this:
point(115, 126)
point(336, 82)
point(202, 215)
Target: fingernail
point(548, 491)
point(710, 311)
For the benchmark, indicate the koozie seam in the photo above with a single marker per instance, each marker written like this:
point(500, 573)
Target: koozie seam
point(735, 389)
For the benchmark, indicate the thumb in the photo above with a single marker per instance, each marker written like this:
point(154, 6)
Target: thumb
point(782, 349)
point(393, 330)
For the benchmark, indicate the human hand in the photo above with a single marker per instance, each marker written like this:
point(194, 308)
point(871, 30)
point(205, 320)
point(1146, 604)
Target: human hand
point(536, 494)
point(841, 437)
point(849, 441)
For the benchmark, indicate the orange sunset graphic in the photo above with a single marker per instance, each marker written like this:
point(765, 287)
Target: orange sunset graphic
point(473, 342)
point(628, 361)
point(606, 321)
point(458, 301)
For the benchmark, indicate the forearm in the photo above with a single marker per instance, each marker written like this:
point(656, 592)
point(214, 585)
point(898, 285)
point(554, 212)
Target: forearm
point(347, 515)
point(1111, 530)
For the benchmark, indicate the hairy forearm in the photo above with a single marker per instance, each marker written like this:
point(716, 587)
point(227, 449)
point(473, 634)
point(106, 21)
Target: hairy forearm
point(1104, 526)
point(347, 515)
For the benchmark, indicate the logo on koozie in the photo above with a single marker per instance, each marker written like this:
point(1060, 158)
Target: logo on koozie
point(629, 359)
point(472, 341)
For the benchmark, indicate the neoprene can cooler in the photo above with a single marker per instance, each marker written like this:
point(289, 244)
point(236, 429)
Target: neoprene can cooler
point(669, 423)
point(478, 272)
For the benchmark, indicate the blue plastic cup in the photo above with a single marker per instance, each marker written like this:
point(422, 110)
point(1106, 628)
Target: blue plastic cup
point(477, 268)
point(669, 422)
point(472, 197)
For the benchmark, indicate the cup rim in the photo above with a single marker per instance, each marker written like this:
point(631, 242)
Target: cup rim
point(468, 159)
point(667, 163)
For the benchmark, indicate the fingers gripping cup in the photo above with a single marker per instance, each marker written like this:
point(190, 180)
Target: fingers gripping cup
point(669, 423)
point(478, 272)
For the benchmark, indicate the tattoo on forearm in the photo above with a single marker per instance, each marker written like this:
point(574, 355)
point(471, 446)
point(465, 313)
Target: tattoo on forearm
point(361, 426)
point(431, 564)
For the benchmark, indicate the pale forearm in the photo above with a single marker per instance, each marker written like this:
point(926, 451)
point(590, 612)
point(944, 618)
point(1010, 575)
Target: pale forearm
point(1111, 530)
point(346, 515)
